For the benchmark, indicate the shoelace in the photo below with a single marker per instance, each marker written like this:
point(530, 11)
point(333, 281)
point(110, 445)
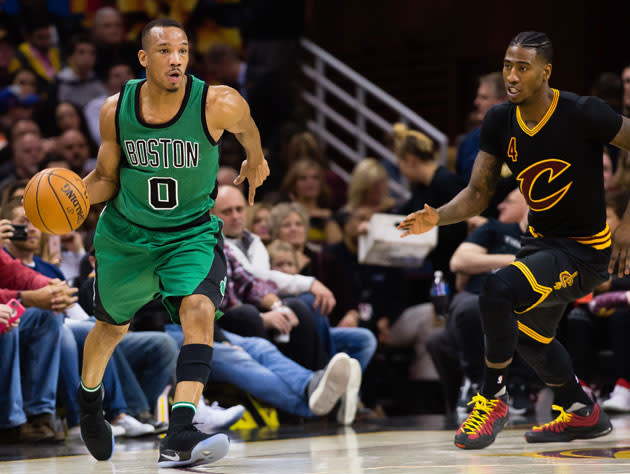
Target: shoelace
point(480, 413)
point(557, 424)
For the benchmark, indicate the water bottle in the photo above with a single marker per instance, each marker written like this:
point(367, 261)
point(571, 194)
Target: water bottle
point(440, 294)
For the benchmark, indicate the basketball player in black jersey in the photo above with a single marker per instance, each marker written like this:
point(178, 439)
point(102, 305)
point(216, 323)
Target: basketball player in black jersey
point(552, 142)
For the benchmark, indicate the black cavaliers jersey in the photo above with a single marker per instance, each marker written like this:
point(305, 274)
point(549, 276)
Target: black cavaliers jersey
point(558, 163)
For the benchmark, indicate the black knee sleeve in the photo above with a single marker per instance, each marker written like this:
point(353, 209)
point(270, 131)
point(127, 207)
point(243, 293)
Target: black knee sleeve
point(499, 323)
point(193, 363)
point(551, 362)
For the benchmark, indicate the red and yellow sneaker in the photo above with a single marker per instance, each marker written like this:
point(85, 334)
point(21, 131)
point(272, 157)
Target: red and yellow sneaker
point(585, 423)
point(484, 423)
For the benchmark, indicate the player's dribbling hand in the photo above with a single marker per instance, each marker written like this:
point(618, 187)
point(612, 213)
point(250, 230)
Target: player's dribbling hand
point(6, 229)
point(255, 175)
point(420, 221)
point(621, 250)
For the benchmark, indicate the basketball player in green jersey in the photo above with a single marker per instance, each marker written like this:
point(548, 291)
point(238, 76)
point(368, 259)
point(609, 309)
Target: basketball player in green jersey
point(157, 168)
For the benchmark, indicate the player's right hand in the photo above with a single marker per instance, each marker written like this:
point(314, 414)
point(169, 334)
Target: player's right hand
point(420, 221)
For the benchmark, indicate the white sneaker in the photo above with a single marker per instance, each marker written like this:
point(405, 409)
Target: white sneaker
point(132, 427)
point(328, 385)
point(619, 400)
point(348, 408)
point(210, 419)
point(74, 432)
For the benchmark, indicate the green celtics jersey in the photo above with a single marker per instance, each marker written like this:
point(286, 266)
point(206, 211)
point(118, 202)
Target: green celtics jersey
point(168, 170)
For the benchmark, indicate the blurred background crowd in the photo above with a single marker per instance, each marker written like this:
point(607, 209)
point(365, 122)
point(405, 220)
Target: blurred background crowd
point(293, 261)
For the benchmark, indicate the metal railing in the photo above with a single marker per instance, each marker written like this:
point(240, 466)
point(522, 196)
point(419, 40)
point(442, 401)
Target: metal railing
point(356, 126)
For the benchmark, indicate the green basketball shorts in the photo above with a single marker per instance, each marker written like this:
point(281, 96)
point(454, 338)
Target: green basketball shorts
point(135, 265)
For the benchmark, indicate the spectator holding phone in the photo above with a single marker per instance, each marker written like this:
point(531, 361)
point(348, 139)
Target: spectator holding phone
point(28, 416)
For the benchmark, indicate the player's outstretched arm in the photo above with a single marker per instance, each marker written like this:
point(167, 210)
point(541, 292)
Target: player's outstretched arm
point(620, 256)
point(227, 110)
point(471, 201)
point(102, 183)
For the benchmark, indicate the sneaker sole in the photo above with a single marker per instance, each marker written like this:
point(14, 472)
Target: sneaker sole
point(207, 451)
point(568, 436)
point(348, 409)
point(332, 385)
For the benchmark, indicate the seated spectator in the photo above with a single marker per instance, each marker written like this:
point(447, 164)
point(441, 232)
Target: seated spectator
point(346, 336)
point(491, 91)
point(252, 255)
point(272, 316)
point(29, 415)
point(605, 323)
point(26, 252)
point(258, 367)
point(77, 82)
point(68, 116)
point(28, 153)
point(369, 187)
point(304, 184)
point(108, 35)
point(117, 74)
point(431, 184)
point(37, 53)
point(257, 221)
point(73, 146)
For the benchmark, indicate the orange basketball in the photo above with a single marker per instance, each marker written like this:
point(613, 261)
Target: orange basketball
point(56, 201)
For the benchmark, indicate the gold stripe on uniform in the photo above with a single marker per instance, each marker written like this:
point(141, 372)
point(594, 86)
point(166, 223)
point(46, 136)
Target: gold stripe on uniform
point(533, 334)
point(599, 241)
point(533, 131)
point(537, 287)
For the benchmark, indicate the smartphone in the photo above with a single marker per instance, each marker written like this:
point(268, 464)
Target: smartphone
point(17, 310)
point(20, 232)
point(54, 245)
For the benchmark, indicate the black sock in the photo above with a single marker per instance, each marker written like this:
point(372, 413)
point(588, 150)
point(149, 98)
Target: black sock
point(91, 394)
point(182, 414)
point(494, 382)
point(569, 393)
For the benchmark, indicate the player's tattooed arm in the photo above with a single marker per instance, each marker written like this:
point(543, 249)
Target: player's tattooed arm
point(474, 198)
point(470, 201)
point(102, 183)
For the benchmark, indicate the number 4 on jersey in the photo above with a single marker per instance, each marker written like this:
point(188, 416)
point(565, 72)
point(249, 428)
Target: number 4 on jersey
point(512, 153)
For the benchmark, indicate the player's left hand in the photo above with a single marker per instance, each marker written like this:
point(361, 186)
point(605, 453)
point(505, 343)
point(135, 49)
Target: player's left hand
point(621, 250)
point(254, 174)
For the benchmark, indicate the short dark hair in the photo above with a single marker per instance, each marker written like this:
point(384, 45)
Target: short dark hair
point(162, 22)
point(76, 40)
point(535, 40)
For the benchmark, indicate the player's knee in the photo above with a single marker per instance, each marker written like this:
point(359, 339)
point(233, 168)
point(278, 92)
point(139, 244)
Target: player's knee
point(197, 318)
point(193, 363)
point(108, 333)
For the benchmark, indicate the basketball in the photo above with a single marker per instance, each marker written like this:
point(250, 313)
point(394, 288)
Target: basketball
point(56, 201)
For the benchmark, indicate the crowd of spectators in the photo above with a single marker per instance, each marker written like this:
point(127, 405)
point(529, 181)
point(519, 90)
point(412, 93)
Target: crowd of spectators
point(297, 294)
